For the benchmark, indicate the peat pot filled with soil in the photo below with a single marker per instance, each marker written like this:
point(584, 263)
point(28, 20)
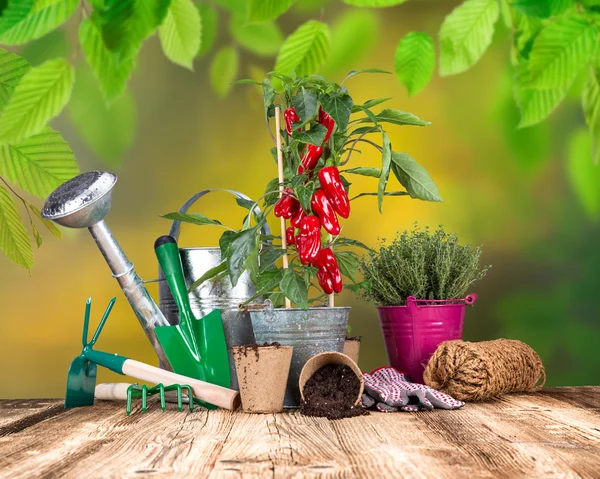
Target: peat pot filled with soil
point(262, 372)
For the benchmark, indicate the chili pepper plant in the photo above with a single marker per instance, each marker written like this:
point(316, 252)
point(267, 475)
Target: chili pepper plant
point(324, 129)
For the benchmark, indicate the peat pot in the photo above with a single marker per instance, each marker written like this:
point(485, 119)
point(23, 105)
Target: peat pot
point(213, 294)
point(413, 332)
point(310, 332)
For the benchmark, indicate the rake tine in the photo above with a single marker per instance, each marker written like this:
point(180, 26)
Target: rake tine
point(144, 398)
point(190, 396)
point(102, 321)
point(179, 398)
point(163, 402)
point(129, 398)
point(86, 321)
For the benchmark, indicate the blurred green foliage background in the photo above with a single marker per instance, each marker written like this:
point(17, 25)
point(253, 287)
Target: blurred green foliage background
point(530, 196)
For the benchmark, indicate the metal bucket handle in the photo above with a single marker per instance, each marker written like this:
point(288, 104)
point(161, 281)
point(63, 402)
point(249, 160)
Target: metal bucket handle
point(176, 226)
point(411, 302)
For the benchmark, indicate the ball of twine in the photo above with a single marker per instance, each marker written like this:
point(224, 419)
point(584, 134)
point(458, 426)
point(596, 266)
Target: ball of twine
point(478, 371)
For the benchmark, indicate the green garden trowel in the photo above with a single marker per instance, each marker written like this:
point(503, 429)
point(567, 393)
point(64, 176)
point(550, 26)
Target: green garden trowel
point(194, 347)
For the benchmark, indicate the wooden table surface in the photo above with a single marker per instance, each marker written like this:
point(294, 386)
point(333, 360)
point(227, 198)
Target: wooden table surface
point(554, 433)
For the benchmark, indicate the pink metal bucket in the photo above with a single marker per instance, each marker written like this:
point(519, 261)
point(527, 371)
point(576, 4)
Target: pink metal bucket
point(413, 332)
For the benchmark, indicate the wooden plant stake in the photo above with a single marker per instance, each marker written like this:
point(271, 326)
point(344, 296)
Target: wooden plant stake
point(332, 295)
point(281, 180)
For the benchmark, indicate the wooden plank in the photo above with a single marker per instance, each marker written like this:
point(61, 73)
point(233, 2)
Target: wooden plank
point(21, 414)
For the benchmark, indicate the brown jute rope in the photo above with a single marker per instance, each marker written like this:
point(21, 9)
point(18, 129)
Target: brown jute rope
point(478, 371)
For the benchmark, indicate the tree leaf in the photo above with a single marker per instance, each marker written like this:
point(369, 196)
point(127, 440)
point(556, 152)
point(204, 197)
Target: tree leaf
point(241, 247)
point(545, 9)
point(264, 39)
point(305, 104)
point(14, 13)
point(294, 288)
point(223, 70)
point(40, 96)
point(314, 136)
point(12, 69)
point(210, 274)
point(193, 218)
point(111, 70)
point(584, 175)
point(466, 34)
point(414, 178)
point(354, 33)
point(181, 32)
point(38, 164)
point(398, 117)
point(53, 45)
point(374, 3)
point(210, 27)
point(14, 240)
point(591, 109)
point(110, 131)
point(305, 50)
point(373, 172)
point(348, 262)
point(386, 163)
point(415, 61)
point(42, 18)
point(560, 51)
point(50, 225)
point(266, 10)
point(339, 107)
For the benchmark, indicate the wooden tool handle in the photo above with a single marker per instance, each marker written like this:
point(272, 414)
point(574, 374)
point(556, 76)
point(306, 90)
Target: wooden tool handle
point(207, 392)
point(112, 391)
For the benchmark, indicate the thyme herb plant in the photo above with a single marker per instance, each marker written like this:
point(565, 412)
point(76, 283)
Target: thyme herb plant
point(420, 263)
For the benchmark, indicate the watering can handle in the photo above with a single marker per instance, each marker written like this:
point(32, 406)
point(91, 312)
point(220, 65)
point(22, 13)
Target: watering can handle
point(411, 302)
point(176, 226)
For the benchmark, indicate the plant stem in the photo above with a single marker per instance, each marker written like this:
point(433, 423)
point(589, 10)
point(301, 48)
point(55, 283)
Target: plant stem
point(354, 144)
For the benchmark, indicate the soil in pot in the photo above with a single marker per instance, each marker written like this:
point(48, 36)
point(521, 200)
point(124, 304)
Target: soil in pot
point(331, 392)
point(352, 347)
point(262, 372)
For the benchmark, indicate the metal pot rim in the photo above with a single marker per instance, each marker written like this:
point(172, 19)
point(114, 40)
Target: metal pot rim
point(204, 248)
point(313, 308)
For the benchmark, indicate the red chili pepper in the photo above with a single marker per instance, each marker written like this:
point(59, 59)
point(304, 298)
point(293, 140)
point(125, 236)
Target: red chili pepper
point(290, 116)
point(325, 281)
point(324, 210)
point(327, 121)
point(287, 206)
point(310, 239)
point(296, 220)
point(311, 158)
point(289, 235)
point(327, 262)
point(332, 185)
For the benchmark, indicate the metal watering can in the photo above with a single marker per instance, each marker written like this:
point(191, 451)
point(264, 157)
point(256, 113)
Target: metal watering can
point(217, 293)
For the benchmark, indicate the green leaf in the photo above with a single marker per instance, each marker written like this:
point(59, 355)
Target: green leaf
point(241, 247)
point(415, 61)
point(269, 95)
point(111, 70)
point(225, 242)
point(266, 10)
point(268, 280)
point(369, 104)
point(53, 45)
point(110, 131)
point(263, 39)
point(314, 136)
point(541, 9)
point(14, 13)
point(466, 34)
point(12, 69)
point(45, 16)
point(354, 33)
point(50, 225)
point(14, 240)
point(181, 32)
point(398, 117)
point(339, 107)
point(294, 288)
point(348, 262)
point(305, 50)
point(40, 96)
point(560, 51)
point(583, 175)
point(374, 3)
point(351, 242)
point(210, 274)
point(365, 70)
point(305, 104)
point(591, 109)
point(210, 27)
point(193, 218)
point(386, 163)
point(373, 172)
point(38, 164)
point(414, 178)
point(305, 194)
point(223, 70)
point(268, 257)
point(387, 193)
point(234, 6)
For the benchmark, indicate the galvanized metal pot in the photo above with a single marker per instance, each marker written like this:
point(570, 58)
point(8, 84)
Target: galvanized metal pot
point(214, 294)
point(310, 332)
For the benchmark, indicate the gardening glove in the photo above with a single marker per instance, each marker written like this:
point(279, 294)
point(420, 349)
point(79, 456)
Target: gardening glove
point(390, 390)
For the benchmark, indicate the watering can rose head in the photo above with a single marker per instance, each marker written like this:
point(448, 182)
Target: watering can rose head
point(321, 132)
